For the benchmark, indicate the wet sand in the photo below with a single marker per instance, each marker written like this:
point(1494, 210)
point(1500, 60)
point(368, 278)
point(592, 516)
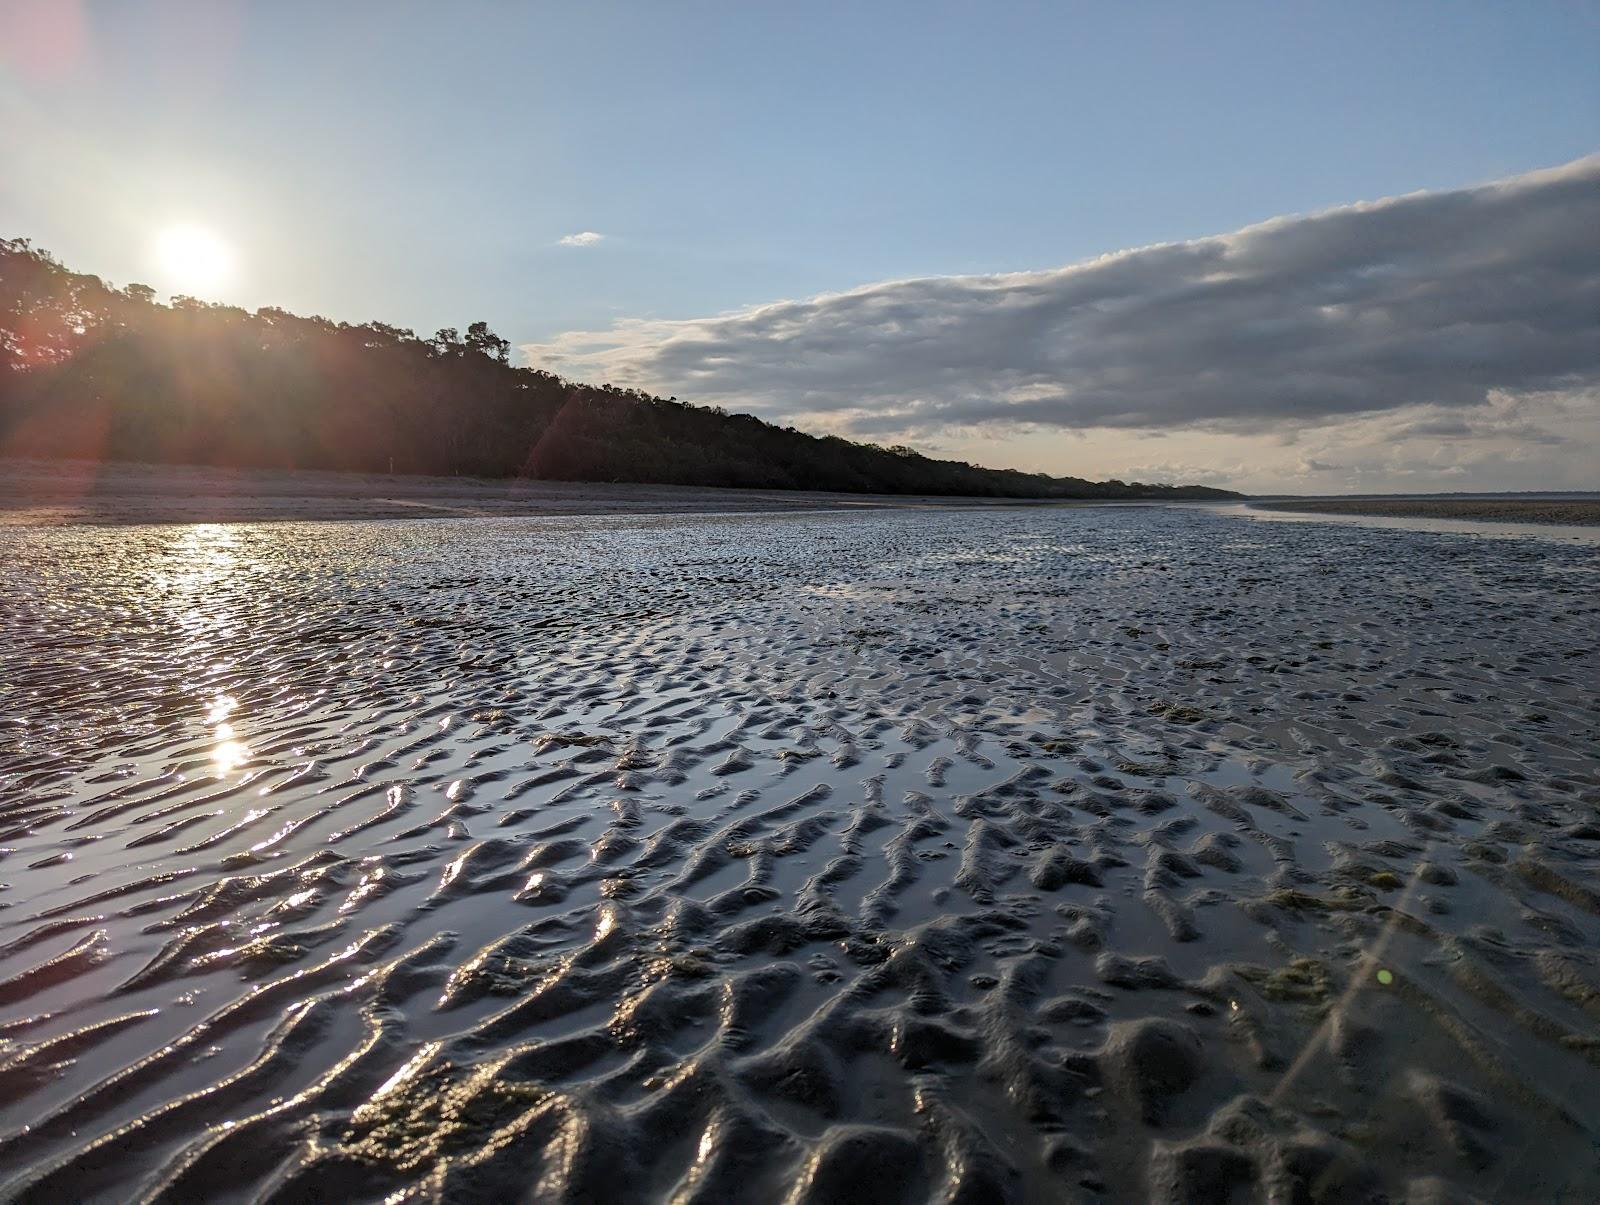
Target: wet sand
point(1084, 854)
point(1577, 511)
point(36, 492)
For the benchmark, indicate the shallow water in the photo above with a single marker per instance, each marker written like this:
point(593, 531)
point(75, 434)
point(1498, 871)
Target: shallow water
point(1504, 529)
point(1055, 854)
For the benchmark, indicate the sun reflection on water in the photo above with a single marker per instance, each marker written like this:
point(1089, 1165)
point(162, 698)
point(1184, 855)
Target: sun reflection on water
point(229, 756)
point(205, 555)
point(204, 564)
point(229, 753)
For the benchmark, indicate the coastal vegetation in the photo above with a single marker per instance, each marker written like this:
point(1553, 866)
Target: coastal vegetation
point(89, 370)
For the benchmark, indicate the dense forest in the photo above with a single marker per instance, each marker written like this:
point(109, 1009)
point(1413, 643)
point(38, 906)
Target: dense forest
point(92, 371)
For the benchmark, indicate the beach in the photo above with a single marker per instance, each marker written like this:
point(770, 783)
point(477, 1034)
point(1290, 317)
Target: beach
point(878, 853)
point(38, 492)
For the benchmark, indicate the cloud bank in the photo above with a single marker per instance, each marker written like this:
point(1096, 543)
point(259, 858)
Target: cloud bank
point(1441, 303)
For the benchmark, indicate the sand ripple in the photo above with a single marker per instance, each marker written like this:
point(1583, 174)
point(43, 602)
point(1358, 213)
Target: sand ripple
point(1038, 855)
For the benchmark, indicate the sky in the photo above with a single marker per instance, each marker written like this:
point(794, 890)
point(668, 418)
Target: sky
point(1257, 245)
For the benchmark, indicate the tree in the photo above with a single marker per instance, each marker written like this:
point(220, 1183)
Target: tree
point(481, 339)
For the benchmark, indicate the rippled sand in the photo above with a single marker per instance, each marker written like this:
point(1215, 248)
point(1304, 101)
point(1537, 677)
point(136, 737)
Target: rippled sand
point(1035, 855)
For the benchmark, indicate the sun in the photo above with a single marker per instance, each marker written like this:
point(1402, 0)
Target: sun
point(192, 258)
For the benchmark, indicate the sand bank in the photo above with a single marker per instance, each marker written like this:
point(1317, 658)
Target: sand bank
point(36, 492)
point(1578, 512)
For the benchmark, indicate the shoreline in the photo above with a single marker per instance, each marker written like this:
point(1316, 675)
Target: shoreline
point(51, 493)
point(1568, 513)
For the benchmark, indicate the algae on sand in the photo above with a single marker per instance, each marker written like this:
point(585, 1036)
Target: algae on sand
point(1304, 980)
point(434, 1112)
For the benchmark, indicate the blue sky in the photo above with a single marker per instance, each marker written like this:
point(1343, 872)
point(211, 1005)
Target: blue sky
point(420, 163)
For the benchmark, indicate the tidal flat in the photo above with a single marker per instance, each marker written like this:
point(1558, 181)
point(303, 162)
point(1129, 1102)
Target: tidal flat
point(1097, 854)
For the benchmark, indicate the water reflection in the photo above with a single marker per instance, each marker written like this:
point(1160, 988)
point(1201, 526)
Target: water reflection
point(229, 753)
point(201, 558)
point(206, 573)
point(229, 756)
point(1571, 534)
point(207, 566)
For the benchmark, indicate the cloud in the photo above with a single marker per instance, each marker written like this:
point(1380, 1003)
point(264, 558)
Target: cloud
point(1435, 299)
point(584, 238)
point(1538, 441)
point(1172, 473)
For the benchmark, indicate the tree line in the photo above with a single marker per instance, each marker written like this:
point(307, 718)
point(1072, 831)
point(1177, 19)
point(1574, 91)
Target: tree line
point(88, 370)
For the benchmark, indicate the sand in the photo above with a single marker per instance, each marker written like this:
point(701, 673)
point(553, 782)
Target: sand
point(37, 492)
point(892, 855)
point(1584, 512)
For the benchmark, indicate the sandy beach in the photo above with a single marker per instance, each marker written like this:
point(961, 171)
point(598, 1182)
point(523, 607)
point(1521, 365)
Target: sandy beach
point(38, 492)
point(1012, 854)
point(1581, 512)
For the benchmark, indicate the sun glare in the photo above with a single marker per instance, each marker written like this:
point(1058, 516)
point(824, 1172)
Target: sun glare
point(192, 258)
